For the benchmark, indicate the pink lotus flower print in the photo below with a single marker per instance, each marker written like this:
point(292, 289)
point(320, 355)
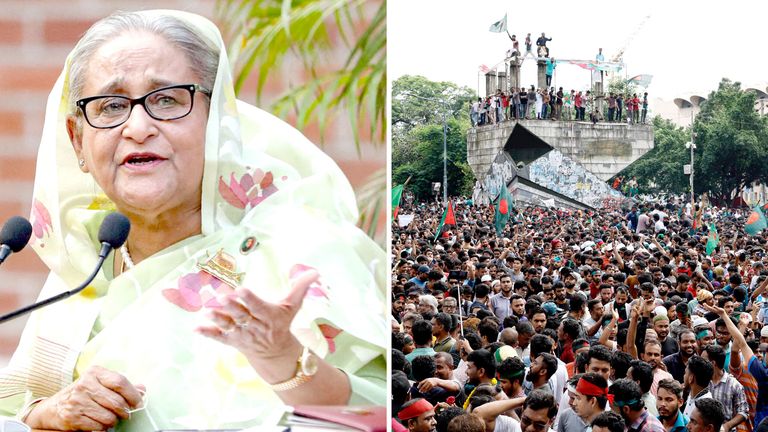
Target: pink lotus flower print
point(41, 220)
point(316, 289)
point(250, 189)
point(197, 290)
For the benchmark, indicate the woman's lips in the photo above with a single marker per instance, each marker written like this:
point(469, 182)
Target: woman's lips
point(142, 161)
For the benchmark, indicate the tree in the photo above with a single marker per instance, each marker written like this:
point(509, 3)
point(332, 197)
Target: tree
point(732, 143)
point(661, 169)
point(421, 157)
point(622, 87)
point(410, 109)
point(417, 135)
point(731, 149)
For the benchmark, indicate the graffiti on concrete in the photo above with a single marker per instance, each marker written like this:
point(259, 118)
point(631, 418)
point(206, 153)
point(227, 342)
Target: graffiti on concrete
point(566, 176)
point(500, 173)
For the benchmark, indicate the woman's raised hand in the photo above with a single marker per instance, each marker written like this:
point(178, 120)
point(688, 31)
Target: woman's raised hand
point(262, 330)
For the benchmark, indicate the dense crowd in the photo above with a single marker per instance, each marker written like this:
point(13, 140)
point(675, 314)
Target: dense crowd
point(555, 104)
point(610, 320)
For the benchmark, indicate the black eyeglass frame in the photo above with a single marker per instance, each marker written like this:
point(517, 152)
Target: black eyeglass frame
point(192, 88)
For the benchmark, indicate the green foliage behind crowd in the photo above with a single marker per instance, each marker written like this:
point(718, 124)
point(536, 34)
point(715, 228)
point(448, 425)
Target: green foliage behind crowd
point(417, 135)
point(731, 148)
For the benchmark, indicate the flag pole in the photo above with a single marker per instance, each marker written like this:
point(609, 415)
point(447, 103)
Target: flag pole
point(461, 322)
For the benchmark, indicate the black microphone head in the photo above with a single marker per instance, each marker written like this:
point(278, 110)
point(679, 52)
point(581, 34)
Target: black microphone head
point(16, 233)
point(114, 230)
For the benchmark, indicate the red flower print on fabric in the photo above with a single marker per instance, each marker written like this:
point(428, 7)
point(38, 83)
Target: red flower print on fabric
point(330, 332)
point(250, 189)
point(197, 290)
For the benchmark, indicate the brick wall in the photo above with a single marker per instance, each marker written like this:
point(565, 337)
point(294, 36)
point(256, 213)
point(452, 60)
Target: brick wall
point(35, 38)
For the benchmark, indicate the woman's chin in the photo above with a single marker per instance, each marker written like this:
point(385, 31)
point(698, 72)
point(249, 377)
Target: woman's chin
point(148, 201)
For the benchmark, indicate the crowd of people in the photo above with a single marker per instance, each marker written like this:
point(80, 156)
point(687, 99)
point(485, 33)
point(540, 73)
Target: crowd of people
point(557, 104)
point(611, 320)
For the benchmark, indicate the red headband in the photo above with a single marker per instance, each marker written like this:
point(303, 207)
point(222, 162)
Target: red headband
point(588, 389)
point(416, 409)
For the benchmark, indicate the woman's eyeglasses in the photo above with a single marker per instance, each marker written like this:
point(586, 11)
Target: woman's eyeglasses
point(167, 103)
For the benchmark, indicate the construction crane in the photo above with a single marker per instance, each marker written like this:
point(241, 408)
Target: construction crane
point(617, 58)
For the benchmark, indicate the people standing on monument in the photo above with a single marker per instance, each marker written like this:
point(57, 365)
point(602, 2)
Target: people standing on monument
point(619, 106)
point(552, 103)
point(515, 51)
point(599, 57)
point(559, 103)
point(645, 107)
point(483, 112)
point(551, 65)
point(578, 101)
point(528, 49)
point(540, 110)
point(630, 108)
point(474, 112)
point(611, 108)
point(515, 105)
point(523, 114)
point(541, 42)
point(636, 108)
point(532, 102)
point(490, 102)
point(500, 98)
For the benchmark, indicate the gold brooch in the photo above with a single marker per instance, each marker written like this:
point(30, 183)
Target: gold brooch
point(222, 266)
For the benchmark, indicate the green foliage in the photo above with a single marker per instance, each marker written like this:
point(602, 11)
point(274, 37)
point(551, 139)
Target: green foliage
point(422, 160)
point(417, 135)
point(732, 142)
point(731, 148)
point(621, 86)
point(661, 169)
point(261, 34)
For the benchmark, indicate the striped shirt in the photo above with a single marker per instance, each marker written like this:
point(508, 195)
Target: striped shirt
point(729, 392)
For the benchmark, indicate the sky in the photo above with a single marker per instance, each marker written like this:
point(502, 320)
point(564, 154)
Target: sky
point(688, 46)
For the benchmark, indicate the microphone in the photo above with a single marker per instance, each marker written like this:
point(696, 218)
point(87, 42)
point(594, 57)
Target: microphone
point(112, 234)
point(14, 236)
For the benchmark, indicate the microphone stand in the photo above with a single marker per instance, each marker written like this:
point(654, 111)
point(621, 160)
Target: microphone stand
point(58, 297)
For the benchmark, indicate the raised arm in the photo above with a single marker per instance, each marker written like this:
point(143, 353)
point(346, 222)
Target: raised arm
point(489, 411)
point(604, 337)
point(630, 346)
point(738, 339)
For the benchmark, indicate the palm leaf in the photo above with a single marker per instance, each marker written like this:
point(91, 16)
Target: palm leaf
point(261, 34)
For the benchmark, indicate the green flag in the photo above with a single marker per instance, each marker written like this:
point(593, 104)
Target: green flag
point(756, 221)
point(397, 193)
point(499, 26)
point(713, 239)
point(504, 206)
point(448, 219)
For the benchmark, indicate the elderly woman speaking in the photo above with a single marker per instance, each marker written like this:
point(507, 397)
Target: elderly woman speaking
point(243, 285)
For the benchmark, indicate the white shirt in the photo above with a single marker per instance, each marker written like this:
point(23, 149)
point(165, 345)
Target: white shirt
point(690, 403)
point(506, 424)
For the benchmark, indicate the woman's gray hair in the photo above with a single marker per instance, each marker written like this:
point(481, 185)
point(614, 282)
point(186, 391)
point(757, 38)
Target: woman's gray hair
point(203, 55)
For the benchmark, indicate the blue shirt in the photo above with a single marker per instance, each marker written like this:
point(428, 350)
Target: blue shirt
point(681, 424)
point(550, 66)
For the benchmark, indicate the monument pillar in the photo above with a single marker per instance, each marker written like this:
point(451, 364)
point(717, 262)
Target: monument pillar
point(542, 73)
point(514, 73)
